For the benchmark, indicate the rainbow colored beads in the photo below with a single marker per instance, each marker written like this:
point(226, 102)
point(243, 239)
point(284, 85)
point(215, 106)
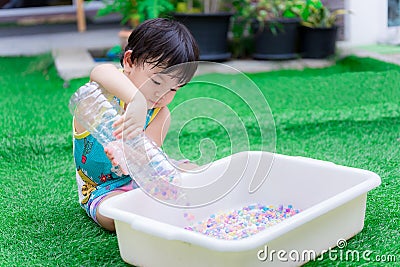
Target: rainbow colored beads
point(242, 223)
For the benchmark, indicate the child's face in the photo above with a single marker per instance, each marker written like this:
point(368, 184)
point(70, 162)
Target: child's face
point(158, 89)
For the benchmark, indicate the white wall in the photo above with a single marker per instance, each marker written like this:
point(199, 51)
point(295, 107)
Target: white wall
point(367, 24)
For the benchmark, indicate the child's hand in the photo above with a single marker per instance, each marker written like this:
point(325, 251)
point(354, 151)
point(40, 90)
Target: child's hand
point(115, 154)
point(132, 122)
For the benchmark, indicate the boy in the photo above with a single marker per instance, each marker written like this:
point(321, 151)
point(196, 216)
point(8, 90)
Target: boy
point(150, 78)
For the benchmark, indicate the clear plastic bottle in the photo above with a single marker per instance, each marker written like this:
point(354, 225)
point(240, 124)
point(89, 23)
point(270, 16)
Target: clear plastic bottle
point(146, 163)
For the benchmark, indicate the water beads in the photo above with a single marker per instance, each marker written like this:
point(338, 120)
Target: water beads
point(242, 223)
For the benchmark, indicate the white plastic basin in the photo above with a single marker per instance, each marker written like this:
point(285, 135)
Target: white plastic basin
point(332, 199)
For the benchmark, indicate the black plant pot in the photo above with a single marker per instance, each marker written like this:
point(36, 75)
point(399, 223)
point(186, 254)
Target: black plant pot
point(278, 39)
point(210, 32)
point(317, 42)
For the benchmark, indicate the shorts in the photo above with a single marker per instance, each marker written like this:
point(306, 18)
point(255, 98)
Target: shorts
point(91, 207)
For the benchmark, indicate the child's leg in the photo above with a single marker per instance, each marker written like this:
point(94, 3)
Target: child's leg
point(105, 222)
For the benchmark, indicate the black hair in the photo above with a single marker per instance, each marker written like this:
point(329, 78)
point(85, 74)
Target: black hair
point(164, 43)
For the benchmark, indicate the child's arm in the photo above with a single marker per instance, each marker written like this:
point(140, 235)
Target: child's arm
point(158, 128)
point(116, 83)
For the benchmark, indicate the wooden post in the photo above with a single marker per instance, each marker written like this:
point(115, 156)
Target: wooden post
point(214, 6)
point(189, 5)
point(80, 16)
point(206, 6)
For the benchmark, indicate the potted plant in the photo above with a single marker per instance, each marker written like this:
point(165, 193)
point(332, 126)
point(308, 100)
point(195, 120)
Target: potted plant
point(274, 26)
point(209, 25)
point(134, 12)
point(241, 43)
point(318, 33)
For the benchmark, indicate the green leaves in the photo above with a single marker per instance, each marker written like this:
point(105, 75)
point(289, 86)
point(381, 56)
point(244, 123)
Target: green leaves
point(149, 9)
point(314, 14)
point(136, 11)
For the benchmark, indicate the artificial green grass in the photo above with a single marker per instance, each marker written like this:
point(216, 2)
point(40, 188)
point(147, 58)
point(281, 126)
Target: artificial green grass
point(347, 114)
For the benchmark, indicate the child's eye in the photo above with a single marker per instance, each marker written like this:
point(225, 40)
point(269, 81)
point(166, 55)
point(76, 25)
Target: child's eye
point(154, 81)
point(177, 87)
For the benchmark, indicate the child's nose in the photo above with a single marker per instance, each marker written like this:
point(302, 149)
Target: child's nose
point(159, 95)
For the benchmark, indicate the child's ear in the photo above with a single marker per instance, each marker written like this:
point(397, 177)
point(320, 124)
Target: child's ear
point(128, 61)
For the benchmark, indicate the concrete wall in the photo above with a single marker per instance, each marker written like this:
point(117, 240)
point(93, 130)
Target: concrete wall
point(368, 22)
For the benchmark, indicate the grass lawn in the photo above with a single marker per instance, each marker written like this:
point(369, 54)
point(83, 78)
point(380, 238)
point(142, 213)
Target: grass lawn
point(348, 114)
